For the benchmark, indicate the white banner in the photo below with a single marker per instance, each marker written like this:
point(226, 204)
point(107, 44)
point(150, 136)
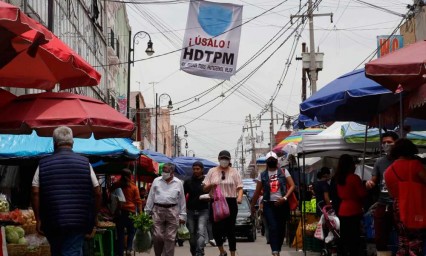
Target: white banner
point(212, 39)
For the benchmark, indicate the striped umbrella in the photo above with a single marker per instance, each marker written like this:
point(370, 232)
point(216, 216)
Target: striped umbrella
point(294, 138)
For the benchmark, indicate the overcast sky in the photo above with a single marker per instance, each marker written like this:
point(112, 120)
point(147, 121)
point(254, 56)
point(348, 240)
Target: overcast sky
point(346, 43)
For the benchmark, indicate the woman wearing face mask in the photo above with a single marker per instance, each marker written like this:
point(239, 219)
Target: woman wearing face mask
point(133, 202)
point(273, 182)
point(231, 186)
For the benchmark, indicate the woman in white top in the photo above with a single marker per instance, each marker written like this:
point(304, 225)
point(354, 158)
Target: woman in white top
point(276, 209)
point(231, 186)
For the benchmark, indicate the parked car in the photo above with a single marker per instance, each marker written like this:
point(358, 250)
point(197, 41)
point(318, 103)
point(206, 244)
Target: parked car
point(246, 221)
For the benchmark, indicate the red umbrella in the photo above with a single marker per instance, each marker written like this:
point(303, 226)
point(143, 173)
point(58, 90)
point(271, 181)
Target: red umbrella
point(45, 111)
point(51, 62)
point(26, 43)
point(15, 21)
point(6, 97)
point(406, 66)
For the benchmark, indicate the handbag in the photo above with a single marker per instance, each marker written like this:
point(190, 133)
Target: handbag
point(412, 202)
point(219, 205)
point(292, 200)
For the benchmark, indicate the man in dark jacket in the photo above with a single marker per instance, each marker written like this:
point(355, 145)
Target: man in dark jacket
point(65, 196)
point(197, 209)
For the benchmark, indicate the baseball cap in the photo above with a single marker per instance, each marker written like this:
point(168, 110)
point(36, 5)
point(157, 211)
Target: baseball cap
point(224, 154)
point(271, 154)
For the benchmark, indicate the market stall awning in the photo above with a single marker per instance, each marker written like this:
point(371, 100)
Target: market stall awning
point(295, 137)
point(184, 165)
point(350, 97)
point(43, 112)
point(26, 43)
point(33, 146)
point(405, 67)
point(158, 157)
point(355, 133)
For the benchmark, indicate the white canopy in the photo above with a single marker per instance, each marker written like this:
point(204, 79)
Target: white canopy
point(331, 143)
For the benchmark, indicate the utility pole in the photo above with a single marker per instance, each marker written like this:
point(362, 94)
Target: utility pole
point(272, 137)
point(242, 156)
point(252, 139)
point(303, 73)
point(271, 126)
point(312, 55)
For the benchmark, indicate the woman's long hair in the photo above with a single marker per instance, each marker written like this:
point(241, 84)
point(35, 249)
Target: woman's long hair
point(345, 166)
point(403, 148)
point(126, 178)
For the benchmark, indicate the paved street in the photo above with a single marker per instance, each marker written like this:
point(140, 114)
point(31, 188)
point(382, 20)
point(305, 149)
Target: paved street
point(243, 249)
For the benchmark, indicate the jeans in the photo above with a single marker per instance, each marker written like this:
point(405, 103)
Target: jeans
point(226, 227)
point(67, 244)
point(350, 235)
point(124, 222)
point(383, 224)
point(276, 217)
point(197, 225)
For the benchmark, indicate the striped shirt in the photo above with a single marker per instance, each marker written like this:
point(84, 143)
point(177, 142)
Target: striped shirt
point(229, 185)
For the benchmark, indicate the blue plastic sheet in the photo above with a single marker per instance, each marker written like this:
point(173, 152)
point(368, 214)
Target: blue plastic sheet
point(33, 146)
point(184, 165)
point(157, 157)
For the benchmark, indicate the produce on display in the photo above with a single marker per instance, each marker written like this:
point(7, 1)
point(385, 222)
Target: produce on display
point(143, 240)
point(4, 204)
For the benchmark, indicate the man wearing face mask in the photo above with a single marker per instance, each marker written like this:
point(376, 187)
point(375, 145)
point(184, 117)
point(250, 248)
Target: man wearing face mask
point(276, 209)
point(383, 213)
point(166, 203)
point(231, 185)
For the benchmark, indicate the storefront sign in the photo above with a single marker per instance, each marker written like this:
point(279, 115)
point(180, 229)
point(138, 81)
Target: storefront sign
point(212, 39)
point(386, 44)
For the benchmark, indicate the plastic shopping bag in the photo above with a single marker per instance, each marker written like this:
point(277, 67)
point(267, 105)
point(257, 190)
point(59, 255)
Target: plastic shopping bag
point(142, 242)
point(220, 206)
point(319, 233)
point(183, 232)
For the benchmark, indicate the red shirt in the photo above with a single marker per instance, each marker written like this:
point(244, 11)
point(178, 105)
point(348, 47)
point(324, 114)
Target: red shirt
point(404, 168)
point(352, 195)
point(131, 193)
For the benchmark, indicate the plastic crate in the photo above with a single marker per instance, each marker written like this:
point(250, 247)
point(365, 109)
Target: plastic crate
point(312, 244)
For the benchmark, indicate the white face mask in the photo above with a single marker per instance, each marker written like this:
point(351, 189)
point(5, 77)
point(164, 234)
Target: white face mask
point(387, 147)
point(224, 163)
point(165, 175)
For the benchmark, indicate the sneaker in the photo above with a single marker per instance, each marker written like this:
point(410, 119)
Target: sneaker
point(129, 253)
point(212, 242)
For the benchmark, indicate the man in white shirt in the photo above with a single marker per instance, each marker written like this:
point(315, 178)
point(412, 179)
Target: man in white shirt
point(166, 203)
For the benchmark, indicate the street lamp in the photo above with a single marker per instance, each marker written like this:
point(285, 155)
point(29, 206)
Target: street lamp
point(185, 134)
point(186, 144)
point(131, 59)
point(157, 106)
point(189, 152)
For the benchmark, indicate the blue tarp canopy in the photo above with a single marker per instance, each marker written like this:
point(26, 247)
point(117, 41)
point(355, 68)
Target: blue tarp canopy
point(351, 97)
point(157, 157)
point(184, 165)
point(33, 146)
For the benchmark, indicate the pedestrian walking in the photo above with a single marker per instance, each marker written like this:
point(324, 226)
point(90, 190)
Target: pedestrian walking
point(66, 196)
point(406, 168)
point(166, 203)
point(231, 185)
point(124, 210)
point(383, 210)
point(352, 192)
point(273, 182)
point(197, 209)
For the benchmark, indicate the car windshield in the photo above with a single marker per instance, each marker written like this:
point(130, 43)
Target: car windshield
point(244, 204)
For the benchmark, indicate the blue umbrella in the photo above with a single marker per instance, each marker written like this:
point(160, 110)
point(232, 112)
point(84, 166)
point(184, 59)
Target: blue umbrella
point(184, 165)
point(157, 157)
point(303, 122)
point(351, 97)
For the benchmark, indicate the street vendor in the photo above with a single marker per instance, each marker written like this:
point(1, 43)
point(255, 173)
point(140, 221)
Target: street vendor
point(66, 196)
point(123, 221)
